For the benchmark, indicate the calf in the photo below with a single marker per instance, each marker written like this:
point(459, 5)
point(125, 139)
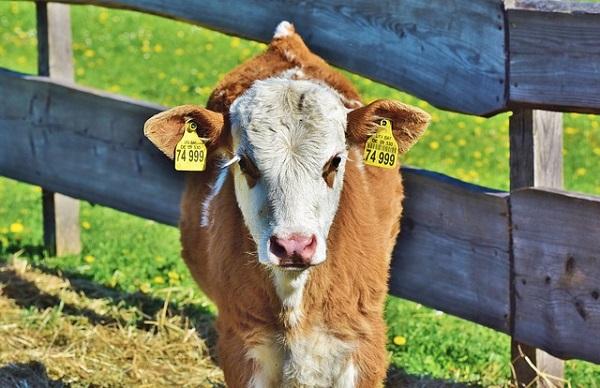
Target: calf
point(287, 230)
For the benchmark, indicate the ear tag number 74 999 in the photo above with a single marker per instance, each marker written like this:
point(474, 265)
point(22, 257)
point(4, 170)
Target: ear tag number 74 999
point(381, 150)
point(190, 152)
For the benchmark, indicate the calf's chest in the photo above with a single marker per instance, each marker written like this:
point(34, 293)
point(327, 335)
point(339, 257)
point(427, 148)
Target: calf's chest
point(315, 359)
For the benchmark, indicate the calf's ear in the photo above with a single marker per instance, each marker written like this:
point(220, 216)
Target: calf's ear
point(165, 129)
point(408, 122)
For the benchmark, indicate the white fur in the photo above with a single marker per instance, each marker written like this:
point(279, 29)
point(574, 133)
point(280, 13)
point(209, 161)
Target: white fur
point(289, 142)
point(269, 360)
point(283, 29)
point(289, 286)
point(215, 190)
point(317, 360)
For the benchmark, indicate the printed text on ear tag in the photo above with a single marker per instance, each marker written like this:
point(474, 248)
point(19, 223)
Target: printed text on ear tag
point(190, 152)
point(381, 149)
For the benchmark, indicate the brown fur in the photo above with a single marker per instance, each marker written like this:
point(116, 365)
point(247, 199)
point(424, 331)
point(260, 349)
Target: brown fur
point(345, 294)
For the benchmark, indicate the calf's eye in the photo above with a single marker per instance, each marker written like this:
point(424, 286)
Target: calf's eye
point(330, 169)
point(249, 170)
point(335, 162)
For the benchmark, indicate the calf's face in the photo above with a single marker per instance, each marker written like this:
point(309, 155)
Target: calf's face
point(290, 139)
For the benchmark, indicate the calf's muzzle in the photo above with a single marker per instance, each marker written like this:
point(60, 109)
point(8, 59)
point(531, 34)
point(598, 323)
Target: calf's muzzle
point(295, 251)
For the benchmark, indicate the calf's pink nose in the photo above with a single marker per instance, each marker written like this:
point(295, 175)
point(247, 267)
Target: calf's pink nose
point(296, 250)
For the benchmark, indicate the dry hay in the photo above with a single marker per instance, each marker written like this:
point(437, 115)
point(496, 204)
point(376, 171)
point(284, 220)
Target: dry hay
point(84, 341)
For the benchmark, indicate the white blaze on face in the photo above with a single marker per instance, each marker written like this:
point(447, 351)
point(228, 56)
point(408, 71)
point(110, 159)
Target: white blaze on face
point(289, 130)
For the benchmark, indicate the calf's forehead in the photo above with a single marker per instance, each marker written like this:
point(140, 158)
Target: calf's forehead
point(282, 121)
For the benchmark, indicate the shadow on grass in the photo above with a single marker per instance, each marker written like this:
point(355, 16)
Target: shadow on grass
point(26, 294)
point(32, 374)
point(397, 377)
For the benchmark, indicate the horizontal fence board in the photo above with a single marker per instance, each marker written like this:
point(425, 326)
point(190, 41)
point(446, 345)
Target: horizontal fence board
point(455, 63)
point(557, 272)
point(554, 56)
point(84, 144)
point(452, 253)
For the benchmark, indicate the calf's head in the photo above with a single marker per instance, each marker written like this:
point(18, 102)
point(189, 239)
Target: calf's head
point(289, 140)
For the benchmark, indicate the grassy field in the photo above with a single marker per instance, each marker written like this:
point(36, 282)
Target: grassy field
point(173, 63)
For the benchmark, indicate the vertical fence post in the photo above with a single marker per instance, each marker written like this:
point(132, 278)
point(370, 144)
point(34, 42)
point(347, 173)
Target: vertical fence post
point(55, 59)
point(535, 160)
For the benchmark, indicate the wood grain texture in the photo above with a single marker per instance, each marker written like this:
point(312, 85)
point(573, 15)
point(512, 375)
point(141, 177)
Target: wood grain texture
point(60, 42)
point(455, 63)
point(554, 58)
point(536, 142)
point(565, 6)
point(452, 253)
point(557, 274)
point(536, 139)
point(55, 59)
point(85, 144)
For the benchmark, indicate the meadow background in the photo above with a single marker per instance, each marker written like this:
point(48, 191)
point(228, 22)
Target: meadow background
point(172, 63)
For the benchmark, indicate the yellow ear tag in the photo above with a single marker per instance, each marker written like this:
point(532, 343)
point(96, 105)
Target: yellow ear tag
point(190, 152)
point(381, 149)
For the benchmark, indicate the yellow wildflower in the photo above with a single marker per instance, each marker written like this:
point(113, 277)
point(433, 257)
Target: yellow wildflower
point(159, 280)
point(16, 227)
point(89, 259)
point(462, 142)
point(399, 340)
point(571, 130)
point(103, 17)
point(235, 42)
point(145, 288)
point(158, 48)
point(89, 53)
point(434, 145)
point(86, 225)
point(580, 171)
point(173, 275)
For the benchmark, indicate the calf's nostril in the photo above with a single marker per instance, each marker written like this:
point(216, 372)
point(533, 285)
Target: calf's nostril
point(276, 248)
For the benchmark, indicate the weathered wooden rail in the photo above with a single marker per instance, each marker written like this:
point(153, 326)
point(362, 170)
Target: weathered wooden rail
point(526, 263)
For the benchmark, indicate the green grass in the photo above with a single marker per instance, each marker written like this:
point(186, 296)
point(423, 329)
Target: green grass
point(173, 63)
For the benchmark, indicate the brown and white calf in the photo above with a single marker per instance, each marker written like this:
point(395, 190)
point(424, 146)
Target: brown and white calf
point(287, 231)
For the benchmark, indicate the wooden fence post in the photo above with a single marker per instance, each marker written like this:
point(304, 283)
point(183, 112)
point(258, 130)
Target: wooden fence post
point(55, 59)
point(536, 142)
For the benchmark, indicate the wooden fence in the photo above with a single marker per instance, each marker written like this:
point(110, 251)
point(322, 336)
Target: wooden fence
point(526, 263)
